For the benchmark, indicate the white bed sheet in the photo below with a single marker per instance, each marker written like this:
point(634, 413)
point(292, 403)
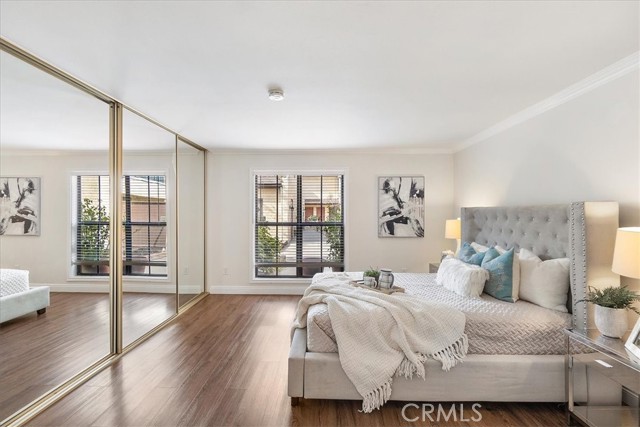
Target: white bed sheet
point(493, 326)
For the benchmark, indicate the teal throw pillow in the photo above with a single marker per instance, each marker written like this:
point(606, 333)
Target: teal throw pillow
point(470, 255)
point(500, 267)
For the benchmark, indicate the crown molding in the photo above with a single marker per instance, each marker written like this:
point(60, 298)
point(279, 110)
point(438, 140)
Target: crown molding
point(607, 74)
point(60, 153)
point(330, 151)
point(8, 152)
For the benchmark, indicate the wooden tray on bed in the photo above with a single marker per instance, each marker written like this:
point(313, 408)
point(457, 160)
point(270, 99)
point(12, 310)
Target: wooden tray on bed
point(392, 290)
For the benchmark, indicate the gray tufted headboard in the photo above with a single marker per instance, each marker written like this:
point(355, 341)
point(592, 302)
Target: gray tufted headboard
point(544, 230)
point(549, 231)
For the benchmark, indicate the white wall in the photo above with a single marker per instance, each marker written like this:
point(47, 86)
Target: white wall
point(587, 149)
point(229, 214)
point(191, 220)
point(48, 256)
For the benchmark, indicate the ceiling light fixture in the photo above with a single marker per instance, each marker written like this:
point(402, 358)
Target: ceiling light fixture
point(276, 94)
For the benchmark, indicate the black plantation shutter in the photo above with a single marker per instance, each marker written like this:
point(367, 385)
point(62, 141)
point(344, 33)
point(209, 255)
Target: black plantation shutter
point(299, 224)
point(145, 225)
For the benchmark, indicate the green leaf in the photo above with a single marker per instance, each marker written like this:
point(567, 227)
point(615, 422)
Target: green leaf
point(613, 297)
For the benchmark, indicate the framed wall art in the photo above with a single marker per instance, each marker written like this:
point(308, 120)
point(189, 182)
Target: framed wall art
point(401, 206)
point(19, 206)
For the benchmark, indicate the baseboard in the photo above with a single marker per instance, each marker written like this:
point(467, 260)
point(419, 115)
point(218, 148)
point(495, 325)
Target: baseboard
point(103, 288)
point(95, 288)
point(260, 289)
point(166, 288)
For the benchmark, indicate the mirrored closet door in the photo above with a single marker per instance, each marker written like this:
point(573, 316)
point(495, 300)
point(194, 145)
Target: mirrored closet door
point(54, 232)
point(148, 226)
point(83, 181)
point(191, 222)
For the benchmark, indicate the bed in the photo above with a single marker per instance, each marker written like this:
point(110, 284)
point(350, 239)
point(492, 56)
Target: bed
point(18, 298)
point(584, 232)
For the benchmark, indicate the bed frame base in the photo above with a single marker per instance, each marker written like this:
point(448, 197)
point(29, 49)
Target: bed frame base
point(480, 378)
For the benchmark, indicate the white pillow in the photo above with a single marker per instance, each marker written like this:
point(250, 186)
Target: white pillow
point(545, 283)
point(479, 248)
point(515, 290)
point(462, 278)
point(13, 281)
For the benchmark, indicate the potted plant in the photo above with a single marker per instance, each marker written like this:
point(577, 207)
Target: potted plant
point(370, 277)
point(93, 239)
point(372, 272)
point(611, 308)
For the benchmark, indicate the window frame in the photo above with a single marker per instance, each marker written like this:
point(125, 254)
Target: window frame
point(128, 274)
point(254, 224)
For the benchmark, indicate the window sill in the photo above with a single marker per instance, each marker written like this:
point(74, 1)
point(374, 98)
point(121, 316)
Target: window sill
point(126, 279)
point(87, 279)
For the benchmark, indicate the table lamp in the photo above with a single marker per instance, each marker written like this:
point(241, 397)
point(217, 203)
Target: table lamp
point(626, 262)
point(453, 230)
point(626, 253)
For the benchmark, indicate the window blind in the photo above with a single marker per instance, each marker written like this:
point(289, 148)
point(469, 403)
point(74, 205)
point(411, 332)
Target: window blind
point(299, 224)
point(144, 230)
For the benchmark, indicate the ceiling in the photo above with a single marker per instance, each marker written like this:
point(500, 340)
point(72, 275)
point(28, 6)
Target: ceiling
point(356, 75)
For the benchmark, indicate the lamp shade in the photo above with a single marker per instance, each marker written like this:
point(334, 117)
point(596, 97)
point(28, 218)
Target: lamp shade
point(626, 255)
point(452, 229)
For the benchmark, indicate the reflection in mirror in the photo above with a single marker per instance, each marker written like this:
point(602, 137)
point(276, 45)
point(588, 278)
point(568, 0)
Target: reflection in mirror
point(190, 177)
point(54, 310)
point(148, 229)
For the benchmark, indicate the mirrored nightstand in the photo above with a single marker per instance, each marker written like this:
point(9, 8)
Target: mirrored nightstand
point(603, 382)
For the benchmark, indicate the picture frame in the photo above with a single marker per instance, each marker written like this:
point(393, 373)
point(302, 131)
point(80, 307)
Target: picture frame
point(20, 206)
point(632, 345)
point(401, 206)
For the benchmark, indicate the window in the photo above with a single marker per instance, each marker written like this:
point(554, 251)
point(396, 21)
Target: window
point(144, 226)
point(299, 224)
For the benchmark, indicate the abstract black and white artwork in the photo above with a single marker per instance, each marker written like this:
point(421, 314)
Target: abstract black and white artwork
point(19, 206)
point(401, 206)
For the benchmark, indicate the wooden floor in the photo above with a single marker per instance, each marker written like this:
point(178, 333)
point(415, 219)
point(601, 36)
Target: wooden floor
point(40, 352)
point(224, 363)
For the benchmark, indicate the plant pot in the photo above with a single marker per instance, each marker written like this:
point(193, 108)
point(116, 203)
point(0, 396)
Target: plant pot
point(611, 322)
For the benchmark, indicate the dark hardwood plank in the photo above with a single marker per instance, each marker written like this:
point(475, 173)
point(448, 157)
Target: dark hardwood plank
point(224, 363)
point(38, 352)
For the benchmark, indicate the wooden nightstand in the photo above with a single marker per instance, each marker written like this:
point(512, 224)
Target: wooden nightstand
point(433, 267)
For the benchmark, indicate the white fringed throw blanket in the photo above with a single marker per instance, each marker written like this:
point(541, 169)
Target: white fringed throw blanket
point(381, 335)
